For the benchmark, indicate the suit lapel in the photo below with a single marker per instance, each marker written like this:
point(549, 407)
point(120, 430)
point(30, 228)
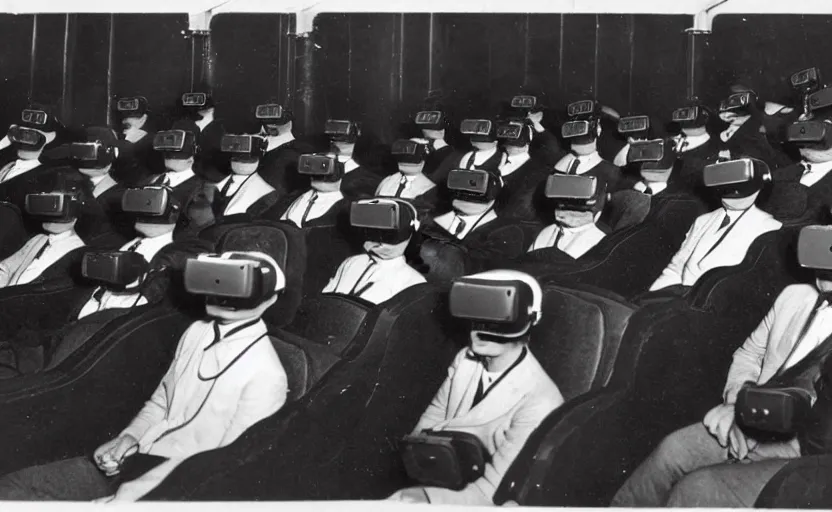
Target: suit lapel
point(463, 387)
point(501, 398)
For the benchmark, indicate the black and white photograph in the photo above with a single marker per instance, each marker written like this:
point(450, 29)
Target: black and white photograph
point(382, 255)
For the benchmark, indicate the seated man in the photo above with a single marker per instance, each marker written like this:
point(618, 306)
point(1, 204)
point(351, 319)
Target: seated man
point(472, 235)
point(722, 237)
point(358, 181)
point(695, 146)
point(199, 116)
point(693, 466)
point(53, 255)
point(521, 172)
point(495, 390)
point(381, 272)
point(578, 203)
point(583, 132)
point(136, 156)
point(279, 164)
point(484, 155)
point(242, 192)
point(179, 147)
point(409, 182)
point(433, 122)
point(225, 377)
point(636, 128)
point(323, 203)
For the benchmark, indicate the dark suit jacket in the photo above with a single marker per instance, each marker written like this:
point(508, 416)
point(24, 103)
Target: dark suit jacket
point(213, 163)
point(546, 148)
point(279, 167)
point(749, 141)
point(360, 183)
point(518, 200)
point(453, 161)
point(435, 159)
point(39, 179)
point(136, 161)
point(819, 195)
point(689, 173)
point(103, 217)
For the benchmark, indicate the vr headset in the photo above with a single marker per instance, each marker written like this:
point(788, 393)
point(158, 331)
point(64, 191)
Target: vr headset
point(408, 151)
point(34, 117)
point(430, 120)
point(194, 99)
point(26, 138)
point(91, 154)
point(473, 185)
point(269, 111)
point(244, 146)
point(321, 167)
point(445, 459)
point(690, 117)
point(524, 102)
point(582, 129)
point(633, 124)
point(152, 205)
point(384, 220)
point(478, 130)
point(646, 151)
point(132, 107)
point(814, 248)
point(342, 131)
point(53, 207)
point(820, 99)
point(777, 410)
point(583, 108)
point(176, 142)
point(806, 81)
point(736, 178)
point(499, 308)
point(114, 269)
point(237, 282)
point(814, 134)
point(513, 133)
point(578, 193)
point(737, 102)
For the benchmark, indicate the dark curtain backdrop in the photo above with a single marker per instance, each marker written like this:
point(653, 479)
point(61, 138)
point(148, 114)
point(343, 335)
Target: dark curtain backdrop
point(378, 67)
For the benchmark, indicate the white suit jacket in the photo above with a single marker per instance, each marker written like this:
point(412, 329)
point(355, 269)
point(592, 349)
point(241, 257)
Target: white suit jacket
point(252, 188)
point(690, 262)
point(503, 420)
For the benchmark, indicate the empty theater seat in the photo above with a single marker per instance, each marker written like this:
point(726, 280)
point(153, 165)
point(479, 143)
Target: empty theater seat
point(338, 440)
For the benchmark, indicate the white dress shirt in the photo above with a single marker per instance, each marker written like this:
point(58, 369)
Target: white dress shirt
point(377, 282)
point(438, 144)
point(349, 164)
point(450, 222)
point(512, 163)
point(244, 191)
point(689, 143)
point(656, 188)
point(620, 159)
point(193, 411)
point(18, 167)
point(732, 129)
point(176, 178)
point(702, 249)
point(59, 246)
point(586, 162)
point(279, 140)
point(480, 157)
point(813, 173)
point(111, 299)
point(415, 185)
point(324, 201)
point(205, 121)
point(102, 184)
point(574, 242)
point(818, 331)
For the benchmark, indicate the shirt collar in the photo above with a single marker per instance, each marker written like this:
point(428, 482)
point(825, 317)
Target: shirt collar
point(177, 178)
point(349, 163)
point(820, 167)
point(237, 327)
point(734, 214)
point(166, 238)
point(331, 193)
point(393, 262)
point(515, 162)
point(54, 238)
point(205, 121)
point(279, 140)
point(589, 161)
point(98, 179)
point(695, 141)
point(26, 164)
point(656, 187)
point(439, 144)
point(581, 229)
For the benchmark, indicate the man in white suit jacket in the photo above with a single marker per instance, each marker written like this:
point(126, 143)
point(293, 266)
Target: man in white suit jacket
point(224, 378)
point(720, 238)
point(689, 467)
point(517, 394)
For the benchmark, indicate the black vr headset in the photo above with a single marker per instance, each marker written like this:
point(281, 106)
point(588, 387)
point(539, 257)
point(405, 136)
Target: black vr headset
point(525, 102)
point(244, 147)
point(408, 151)
point(693, 116)
point(340, 130)
point(514, 133)
point(53, 206)
point(176, 143)
point(474, 185)
point(634, 126)
point(738, 103)
point(583, 109)
point(806, 81)
point(240, 281)
point(27, 139)
point(819, 100)
point(736, 178)
point(479, 130)
point(384, 220)
point(577, 193)
point(499, 308)
point(196, 100)
point(814, 248)
point(38, 118)
point(90, 155)
point(814, 134)
point(320, 167)
point(271, 116)
point(430, 120)
point(114, 269)
point(132, 107)
point(580, 131)
point(151, 205)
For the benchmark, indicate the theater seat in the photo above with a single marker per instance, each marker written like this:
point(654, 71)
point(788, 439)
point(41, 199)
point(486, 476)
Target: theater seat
point(44, 305)
point(339, 440)
point(805, 482)
point(13, 232)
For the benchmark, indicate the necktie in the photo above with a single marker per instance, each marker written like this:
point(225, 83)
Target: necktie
point(5, 172)
point(470, 163)
point(556, 236)
point(309, 207)
point(573, 168)
point(363, 286)
point(402, 186)
point(459, 227)
point(725, 221)
point(227, 187)
point(43, 249)
point(648, 190)
point(478, 396)
point(162, 180)
point(821, 301)
point(807, 167)
point(135, 246)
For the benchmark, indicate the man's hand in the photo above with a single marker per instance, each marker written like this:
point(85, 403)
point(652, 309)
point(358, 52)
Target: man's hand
point(719, 421)
point(739, 445)
point(110, 455)
point(536, 119)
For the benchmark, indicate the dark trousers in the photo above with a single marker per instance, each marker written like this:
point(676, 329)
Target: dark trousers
point(77, 479)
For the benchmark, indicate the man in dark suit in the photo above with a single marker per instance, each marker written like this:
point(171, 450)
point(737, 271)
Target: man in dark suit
point(695, 146)
point(280, 163)
point(358, 181)
point(522, 173)
point(136, 159)
point(485, 154)
point(433, 122)
point(199, 108)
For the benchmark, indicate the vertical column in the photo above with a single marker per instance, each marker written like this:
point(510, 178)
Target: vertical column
point(304, 61)
point(696, 41)
point(66, 71)
point(33, 57)
point(110, 49)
